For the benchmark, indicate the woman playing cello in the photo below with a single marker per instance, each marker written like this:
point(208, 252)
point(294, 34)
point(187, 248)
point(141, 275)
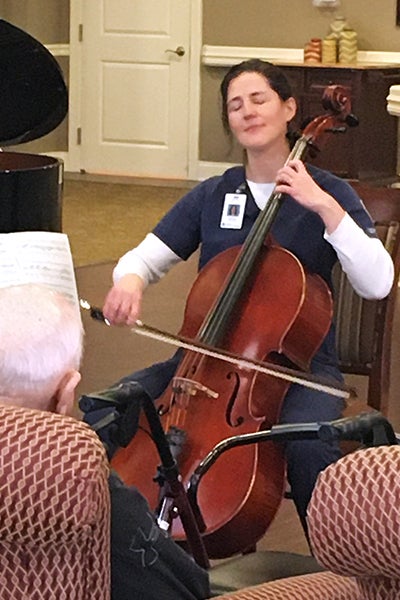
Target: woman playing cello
point(321, 220)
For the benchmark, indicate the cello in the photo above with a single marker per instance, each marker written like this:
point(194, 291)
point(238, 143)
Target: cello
point(209, 400)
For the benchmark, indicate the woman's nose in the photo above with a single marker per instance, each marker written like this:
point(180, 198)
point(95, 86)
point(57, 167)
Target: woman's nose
point(248, 108)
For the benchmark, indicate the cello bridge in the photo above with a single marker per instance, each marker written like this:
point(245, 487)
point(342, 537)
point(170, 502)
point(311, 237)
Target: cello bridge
point(181, 386)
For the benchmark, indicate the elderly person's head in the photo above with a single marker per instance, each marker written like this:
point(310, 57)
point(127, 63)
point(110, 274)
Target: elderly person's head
point(41, 340)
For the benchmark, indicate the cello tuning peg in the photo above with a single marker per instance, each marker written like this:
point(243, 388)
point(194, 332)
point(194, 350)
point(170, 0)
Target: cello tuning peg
point(341, 129)
point(352, 120)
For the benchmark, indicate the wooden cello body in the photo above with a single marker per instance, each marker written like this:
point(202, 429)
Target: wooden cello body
point(258, 302)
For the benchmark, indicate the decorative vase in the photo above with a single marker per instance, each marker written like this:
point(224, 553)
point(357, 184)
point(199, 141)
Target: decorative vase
point(337, 26)
point(348, 46)
point(312, 51)
point(329, 50)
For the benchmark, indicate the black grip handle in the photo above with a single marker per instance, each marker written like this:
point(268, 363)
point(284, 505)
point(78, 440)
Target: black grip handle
point(362, 427)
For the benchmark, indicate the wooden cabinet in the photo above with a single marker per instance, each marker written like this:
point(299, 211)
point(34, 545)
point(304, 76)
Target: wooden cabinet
point(368, 151)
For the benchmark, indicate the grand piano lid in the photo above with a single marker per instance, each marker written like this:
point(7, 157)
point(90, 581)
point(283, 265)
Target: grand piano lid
point(33, 94)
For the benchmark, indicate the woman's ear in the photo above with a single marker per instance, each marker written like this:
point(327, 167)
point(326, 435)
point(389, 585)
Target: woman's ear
point(65, 394)
point(291, 108)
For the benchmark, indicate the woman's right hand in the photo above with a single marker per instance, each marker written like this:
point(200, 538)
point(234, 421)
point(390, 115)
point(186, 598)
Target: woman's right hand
point(123, 302)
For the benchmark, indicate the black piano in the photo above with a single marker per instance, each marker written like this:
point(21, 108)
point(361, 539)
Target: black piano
point(33, 101)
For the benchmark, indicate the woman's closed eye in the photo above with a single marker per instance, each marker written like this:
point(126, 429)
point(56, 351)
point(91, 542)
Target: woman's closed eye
point(234, 105)
point(259, 98)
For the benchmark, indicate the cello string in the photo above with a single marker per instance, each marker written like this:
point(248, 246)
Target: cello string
point(217, 319)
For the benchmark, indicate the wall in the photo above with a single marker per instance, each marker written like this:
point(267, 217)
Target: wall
point(255, 23)
point(290, 23)
point(278, 24)
point(48, 22)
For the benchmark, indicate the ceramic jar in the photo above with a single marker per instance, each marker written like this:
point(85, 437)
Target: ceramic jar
point(313, 50)
point(329, 50)
point(337, 26)
point(348, 46)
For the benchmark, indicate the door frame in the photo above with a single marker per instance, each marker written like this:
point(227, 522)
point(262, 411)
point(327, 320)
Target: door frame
point(73, 162)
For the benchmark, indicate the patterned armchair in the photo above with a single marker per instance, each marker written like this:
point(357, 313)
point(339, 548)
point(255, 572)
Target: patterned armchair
point(354, 526)
point(54, 509)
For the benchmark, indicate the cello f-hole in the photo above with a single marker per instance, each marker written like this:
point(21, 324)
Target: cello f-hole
point(239, 420)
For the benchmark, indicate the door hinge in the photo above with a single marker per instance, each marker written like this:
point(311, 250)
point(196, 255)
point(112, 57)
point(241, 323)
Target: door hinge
point(79, 136)
point(80, 32)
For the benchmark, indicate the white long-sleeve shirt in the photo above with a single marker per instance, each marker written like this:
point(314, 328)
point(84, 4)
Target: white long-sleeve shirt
point(365, 260)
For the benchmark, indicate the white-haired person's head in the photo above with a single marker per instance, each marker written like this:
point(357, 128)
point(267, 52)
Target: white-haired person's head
point(41, 342)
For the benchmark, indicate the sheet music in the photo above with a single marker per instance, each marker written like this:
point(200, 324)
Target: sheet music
point(38, 257)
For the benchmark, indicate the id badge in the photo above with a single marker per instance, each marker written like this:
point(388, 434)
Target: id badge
point(233, 211)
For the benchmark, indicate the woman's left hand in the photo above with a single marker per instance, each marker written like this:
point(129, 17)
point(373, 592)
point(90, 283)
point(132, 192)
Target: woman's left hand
point(293, 179)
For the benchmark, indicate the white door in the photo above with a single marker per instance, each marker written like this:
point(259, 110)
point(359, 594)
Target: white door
point(135, 92)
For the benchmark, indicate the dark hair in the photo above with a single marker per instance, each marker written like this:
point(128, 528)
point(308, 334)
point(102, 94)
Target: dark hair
point(273, 74)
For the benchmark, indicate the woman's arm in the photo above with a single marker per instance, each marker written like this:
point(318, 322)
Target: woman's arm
point(151, 260)
point(364, 259)
point(366, 262)
point(145, 264)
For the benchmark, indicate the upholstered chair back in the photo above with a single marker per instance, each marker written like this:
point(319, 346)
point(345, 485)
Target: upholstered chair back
point(54, 509)
point(354, 520)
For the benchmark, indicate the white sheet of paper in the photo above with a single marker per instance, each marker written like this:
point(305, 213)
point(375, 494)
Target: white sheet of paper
point(42, 257)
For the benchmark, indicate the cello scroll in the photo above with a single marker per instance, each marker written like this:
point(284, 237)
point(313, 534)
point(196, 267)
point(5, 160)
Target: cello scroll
point(337, 102)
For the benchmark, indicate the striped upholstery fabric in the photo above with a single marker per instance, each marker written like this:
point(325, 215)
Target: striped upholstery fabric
point(363, 327)
point(314, 586)
point(356, 318)
point(54, 509)
point(354, 520)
